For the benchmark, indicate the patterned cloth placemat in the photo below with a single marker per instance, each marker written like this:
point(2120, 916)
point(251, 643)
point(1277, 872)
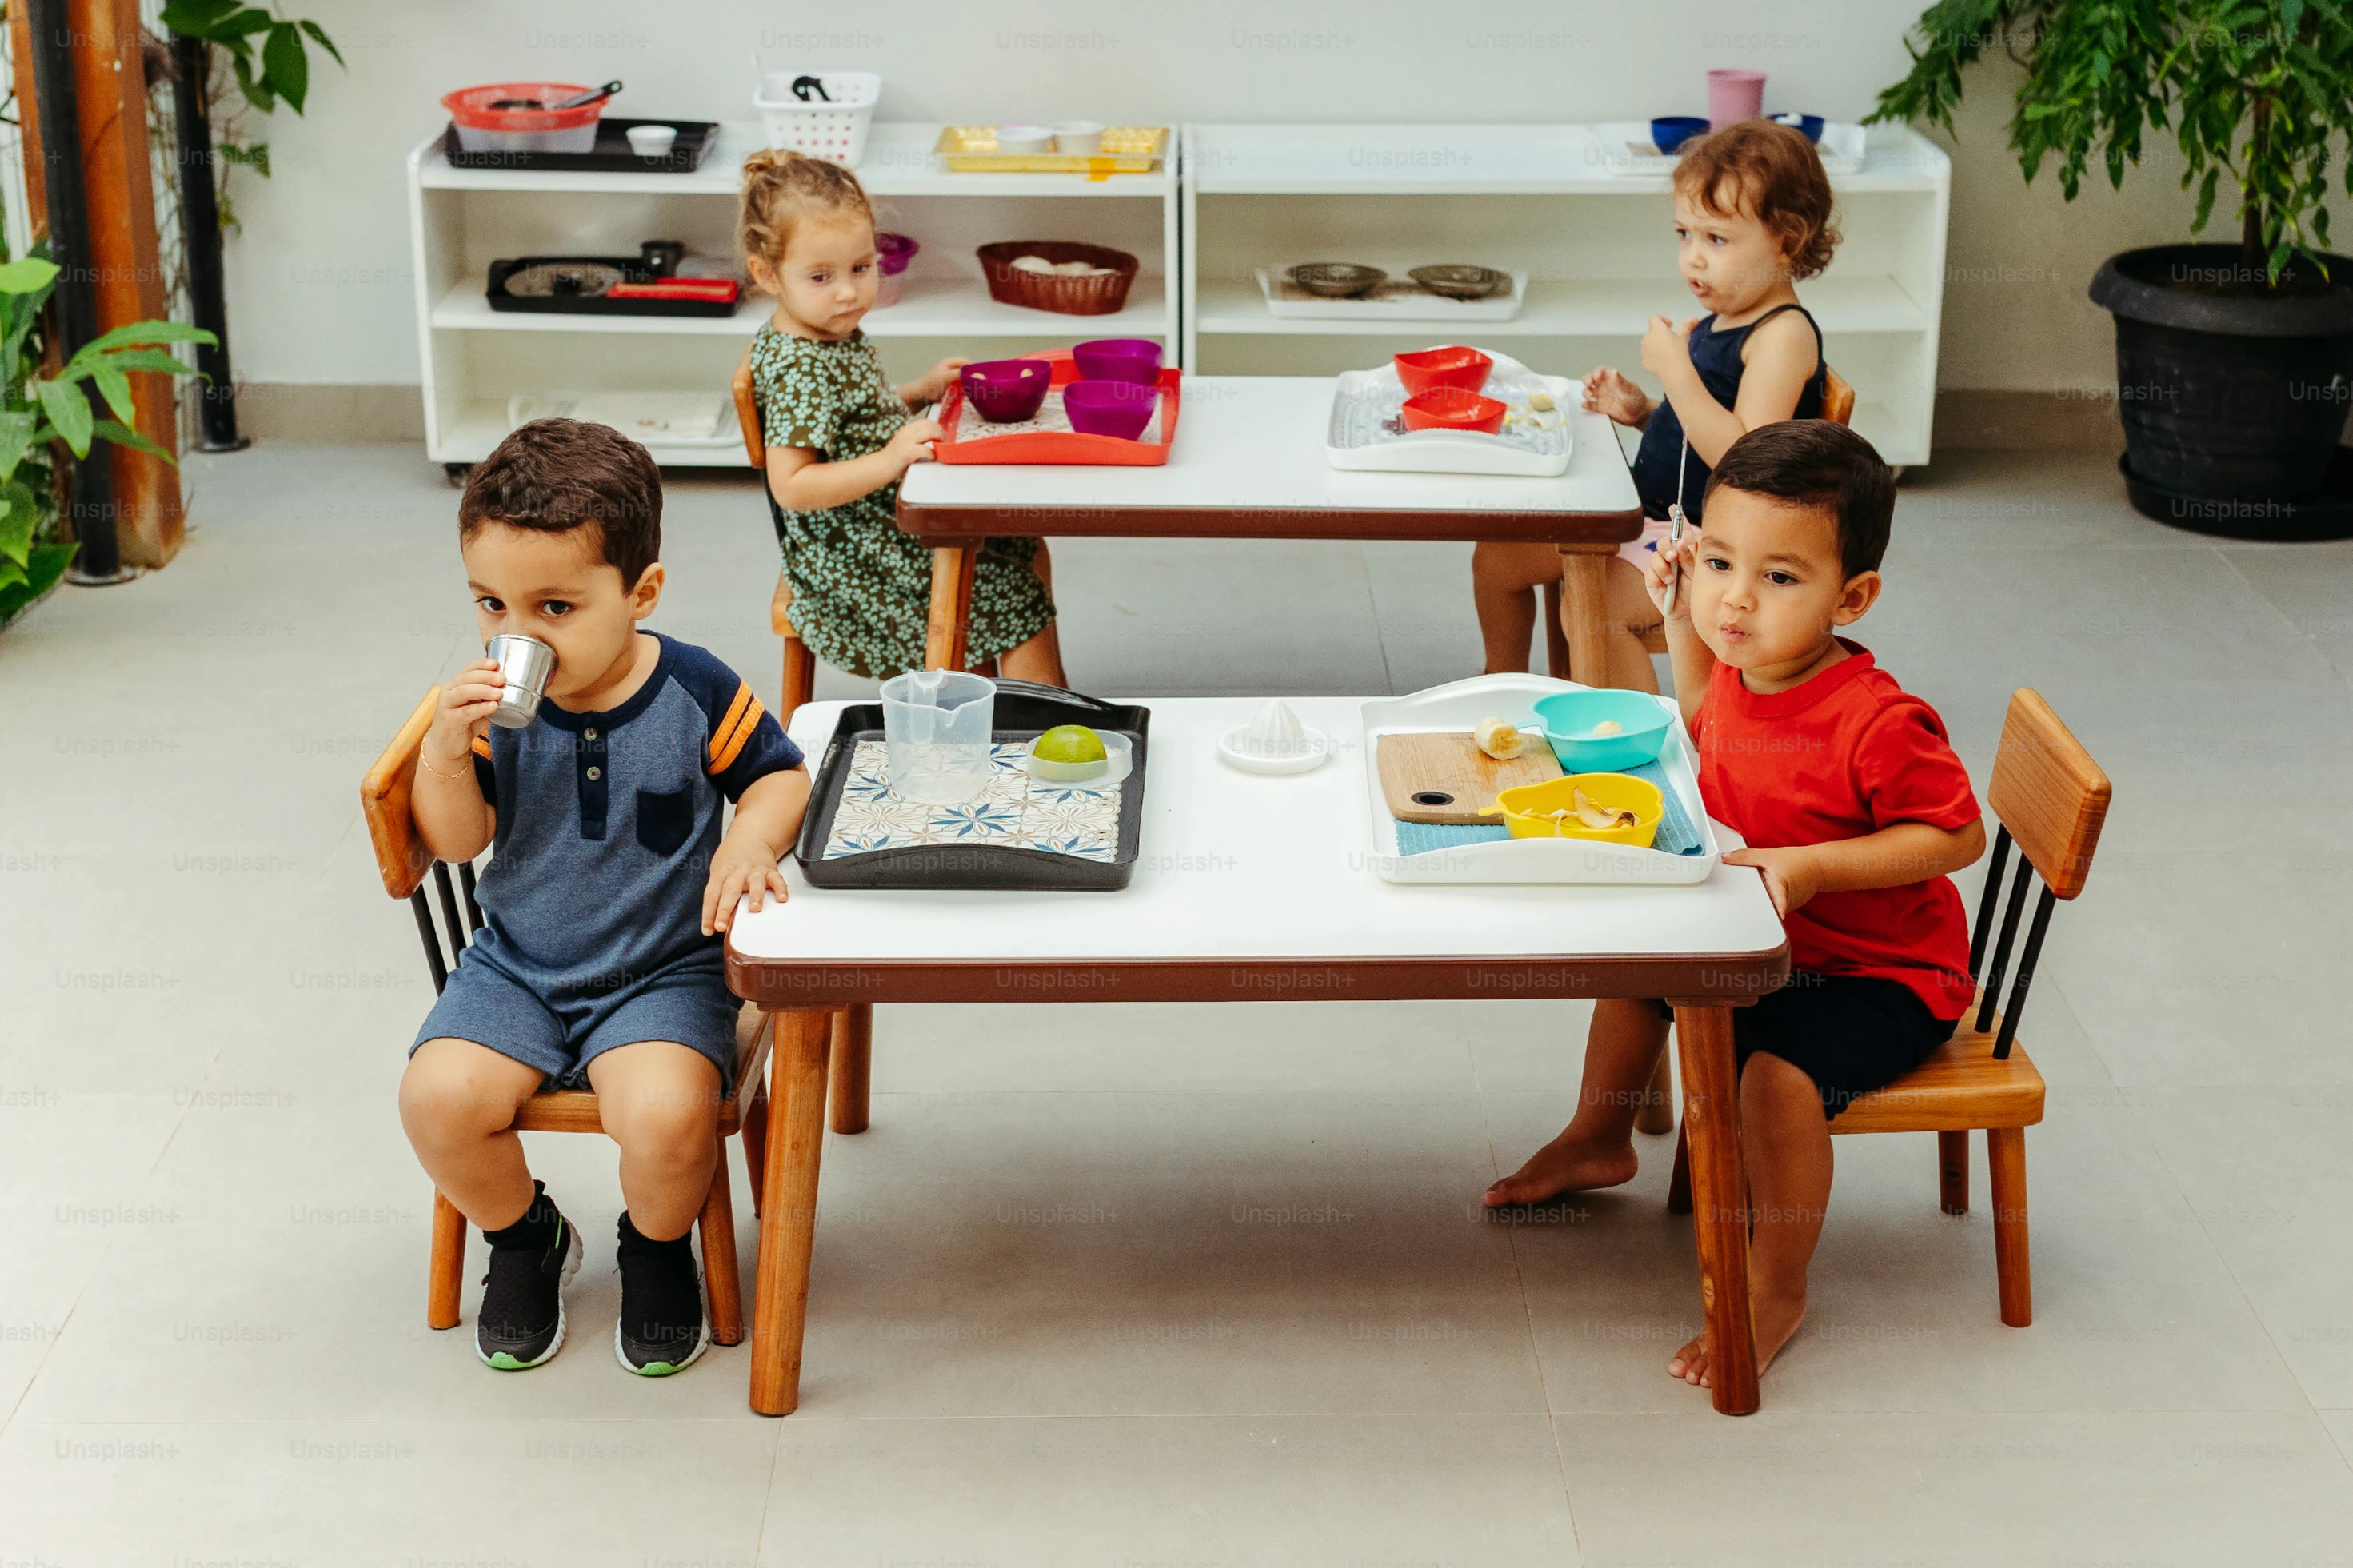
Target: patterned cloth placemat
point(1677, 834)
point(1014, 811)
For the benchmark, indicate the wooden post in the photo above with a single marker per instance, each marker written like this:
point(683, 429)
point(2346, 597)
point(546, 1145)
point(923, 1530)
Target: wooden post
point(1585, 587)
point(853, 1072)
point(788, 1219)
point(1720, 1202)
point(449, 1264)
point(110, 88)
point(951, 616)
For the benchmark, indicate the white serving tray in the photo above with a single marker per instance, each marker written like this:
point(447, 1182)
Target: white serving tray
point(1417, 306)
point(1363, 401)
point(1460, 705)
point(651, 418)
point(1627, 150)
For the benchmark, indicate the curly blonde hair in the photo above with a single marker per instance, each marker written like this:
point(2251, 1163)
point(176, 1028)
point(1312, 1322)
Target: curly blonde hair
point(1775, 172)
point(780, 189)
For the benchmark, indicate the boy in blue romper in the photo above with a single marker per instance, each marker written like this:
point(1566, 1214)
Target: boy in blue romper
point(609, 878)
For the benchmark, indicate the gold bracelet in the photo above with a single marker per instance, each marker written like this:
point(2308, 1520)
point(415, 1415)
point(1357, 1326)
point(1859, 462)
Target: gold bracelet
point(437, 773)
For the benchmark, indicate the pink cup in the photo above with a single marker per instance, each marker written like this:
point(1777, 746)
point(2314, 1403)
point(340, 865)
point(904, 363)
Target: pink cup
point(1734, 96)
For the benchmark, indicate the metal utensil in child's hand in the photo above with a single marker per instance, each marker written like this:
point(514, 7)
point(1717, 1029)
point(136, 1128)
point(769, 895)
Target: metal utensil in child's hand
point(1676, 529)
point(526, 663)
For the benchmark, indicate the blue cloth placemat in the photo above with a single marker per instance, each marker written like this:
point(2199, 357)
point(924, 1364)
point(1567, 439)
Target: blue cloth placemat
point(1677, 836)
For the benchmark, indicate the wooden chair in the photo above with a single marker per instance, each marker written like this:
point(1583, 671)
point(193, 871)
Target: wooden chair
point(2050, 798)
point(405, 862)
point(1837, 407)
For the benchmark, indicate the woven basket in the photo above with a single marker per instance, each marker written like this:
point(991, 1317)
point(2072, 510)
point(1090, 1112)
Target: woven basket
point(1103, 294)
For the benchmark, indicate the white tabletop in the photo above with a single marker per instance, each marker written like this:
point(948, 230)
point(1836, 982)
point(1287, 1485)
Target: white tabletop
point(1244, 865)
point(1255, 444)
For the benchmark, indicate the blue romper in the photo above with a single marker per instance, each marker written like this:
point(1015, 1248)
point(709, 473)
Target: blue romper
point(1716, 356)
point(592, 898)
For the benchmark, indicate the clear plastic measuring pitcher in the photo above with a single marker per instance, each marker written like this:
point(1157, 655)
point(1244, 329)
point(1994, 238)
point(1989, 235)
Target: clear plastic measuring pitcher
point(936, 732)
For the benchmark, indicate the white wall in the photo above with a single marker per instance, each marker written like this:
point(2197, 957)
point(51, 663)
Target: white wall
point(319, 278)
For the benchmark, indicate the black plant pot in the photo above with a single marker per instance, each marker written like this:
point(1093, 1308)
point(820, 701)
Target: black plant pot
point(2229, 393)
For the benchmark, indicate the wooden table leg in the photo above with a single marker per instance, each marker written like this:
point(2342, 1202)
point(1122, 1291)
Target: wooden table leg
point(1719, 1201)
point(449, 1264)
point(788, 1217)
point(853, 1065)
point(951, 612)
point(1585, 585)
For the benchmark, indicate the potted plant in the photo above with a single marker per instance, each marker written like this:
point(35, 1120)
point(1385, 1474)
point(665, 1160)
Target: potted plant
point(2234, 363)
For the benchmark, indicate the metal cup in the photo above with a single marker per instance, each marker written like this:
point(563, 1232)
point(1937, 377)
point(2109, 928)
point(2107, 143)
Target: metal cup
point(526, 662)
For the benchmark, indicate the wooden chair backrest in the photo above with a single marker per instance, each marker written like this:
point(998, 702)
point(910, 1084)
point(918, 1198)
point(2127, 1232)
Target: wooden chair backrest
point(2049, 792)
point(747, 414)
point(1838, 398)
point(401, 857)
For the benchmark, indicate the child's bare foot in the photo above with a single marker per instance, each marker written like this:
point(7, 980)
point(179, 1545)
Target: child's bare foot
point(1564, 1166)
point(1777, 1318)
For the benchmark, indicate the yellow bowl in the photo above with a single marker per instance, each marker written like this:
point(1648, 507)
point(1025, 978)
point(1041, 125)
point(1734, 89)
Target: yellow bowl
point(1527, 809)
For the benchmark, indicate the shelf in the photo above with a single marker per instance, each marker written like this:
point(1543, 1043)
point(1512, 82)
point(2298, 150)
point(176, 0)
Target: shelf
point(1478, 160)
point(932, 308)
point(481, 425)
point(1596, 308)
point(898, 162)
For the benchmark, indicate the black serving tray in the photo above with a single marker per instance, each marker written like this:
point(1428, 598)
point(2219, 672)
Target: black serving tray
point(633, 269)
point(1024, 711)
point(611, 156)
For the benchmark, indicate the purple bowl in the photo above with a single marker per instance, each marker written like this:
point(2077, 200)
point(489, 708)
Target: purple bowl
point(892, 252)
point(1007, 390)
point(1118, 358)
point(1121, 409)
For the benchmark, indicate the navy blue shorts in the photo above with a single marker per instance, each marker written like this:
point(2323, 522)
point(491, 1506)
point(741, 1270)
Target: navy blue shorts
point(688, 1002)
point(1850, 1033)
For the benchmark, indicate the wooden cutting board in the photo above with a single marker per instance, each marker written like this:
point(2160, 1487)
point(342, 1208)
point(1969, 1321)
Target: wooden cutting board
point(1415, 768)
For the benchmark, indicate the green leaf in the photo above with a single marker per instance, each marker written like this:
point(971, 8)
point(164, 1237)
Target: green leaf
point(68, 410)
point(285, 66)
point(140, 333)
point(149, 359)
point(12, 575)
point(17, 533)
point(256, 90)
point(48, 563)
point(16, 439)
point(26, 274)
point(195, 18)
point(251, 19)
point(123, 435)
point(318, 35)
point(115, 387)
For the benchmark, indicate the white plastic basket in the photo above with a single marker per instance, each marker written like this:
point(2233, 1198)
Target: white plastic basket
point(834, 130)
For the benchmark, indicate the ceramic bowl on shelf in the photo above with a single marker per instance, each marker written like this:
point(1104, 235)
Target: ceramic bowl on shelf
point(1023, 138)
point(1457, 282)
point(1118, 358)
point(1121, 409)
point(1082, 137)
point(1451, 409)
point(1810, 126)
point(1670, 132)
point(1007, 390)
point(1456, 366)
point(1336, 279)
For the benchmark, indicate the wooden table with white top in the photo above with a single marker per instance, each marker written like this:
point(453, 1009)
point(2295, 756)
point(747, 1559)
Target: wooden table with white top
point(1248, 462)
point(1297, 913)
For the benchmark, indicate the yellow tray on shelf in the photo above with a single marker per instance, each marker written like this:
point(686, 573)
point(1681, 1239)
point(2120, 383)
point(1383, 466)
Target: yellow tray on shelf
point(1126, 150)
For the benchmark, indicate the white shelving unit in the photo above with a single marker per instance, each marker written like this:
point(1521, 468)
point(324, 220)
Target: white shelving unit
point(1598, 246)
point(476, 359)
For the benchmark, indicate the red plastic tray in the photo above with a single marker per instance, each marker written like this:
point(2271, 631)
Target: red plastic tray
point(1059, 445)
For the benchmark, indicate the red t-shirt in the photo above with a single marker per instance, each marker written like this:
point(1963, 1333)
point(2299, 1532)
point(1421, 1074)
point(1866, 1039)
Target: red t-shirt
point(1841, 755)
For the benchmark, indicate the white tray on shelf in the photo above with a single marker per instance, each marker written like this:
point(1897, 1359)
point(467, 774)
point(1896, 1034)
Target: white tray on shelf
point(651, 418)
point(1416, 305)
point(1627, 150)
point(1364, 433)
point(1457, 706)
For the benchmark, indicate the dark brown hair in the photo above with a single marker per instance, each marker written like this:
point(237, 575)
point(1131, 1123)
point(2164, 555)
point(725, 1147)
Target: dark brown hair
point(555, 475)
point(1822, 467)
point(1771, 173)
point(780, 189)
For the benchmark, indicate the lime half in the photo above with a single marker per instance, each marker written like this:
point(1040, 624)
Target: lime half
point(1069, 743)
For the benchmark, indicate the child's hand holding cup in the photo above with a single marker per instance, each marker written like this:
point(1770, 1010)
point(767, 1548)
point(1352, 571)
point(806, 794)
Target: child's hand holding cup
point(461, 715)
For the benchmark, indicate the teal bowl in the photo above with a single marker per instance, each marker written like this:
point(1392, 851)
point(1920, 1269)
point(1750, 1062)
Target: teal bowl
point(1568, 718)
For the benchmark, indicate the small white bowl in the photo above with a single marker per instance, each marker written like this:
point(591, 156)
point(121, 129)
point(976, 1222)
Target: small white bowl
point(1083, 137)
point(1116, 763)
point(1023, 138)
point(653, 141)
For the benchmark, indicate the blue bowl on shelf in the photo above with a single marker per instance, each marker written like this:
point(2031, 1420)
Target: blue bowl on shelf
point(1670, 132)
point(1810, 126)
point(1569, 717)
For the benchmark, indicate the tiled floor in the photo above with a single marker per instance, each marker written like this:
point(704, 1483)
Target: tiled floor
point(1050, 1325)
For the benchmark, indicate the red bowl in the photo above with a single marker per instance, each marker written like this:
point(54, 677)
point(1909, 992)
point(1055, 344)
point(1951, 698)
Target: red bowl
point(1007, 390)
point(1120, 408)
point(1457, 366)
point(1451, 409)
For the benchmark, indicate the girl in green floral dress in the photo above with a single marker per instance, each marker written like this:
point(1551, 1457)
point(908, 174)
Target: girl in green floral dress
point(839, 436)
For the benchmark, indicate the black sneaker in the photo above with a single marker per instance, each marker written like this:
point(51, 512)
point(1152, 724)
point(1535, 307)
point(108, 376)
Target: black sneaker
point(522, 1322)
point(660, 1331)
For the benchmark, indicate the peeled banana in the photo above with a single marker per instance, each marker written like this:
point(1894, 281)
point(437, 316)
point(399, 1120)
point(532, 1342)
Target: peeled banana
point(1499, 738)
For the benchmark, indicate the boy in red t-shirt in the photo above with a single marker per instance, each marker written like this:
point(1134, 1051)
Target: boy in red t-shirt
point(1853, 807)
